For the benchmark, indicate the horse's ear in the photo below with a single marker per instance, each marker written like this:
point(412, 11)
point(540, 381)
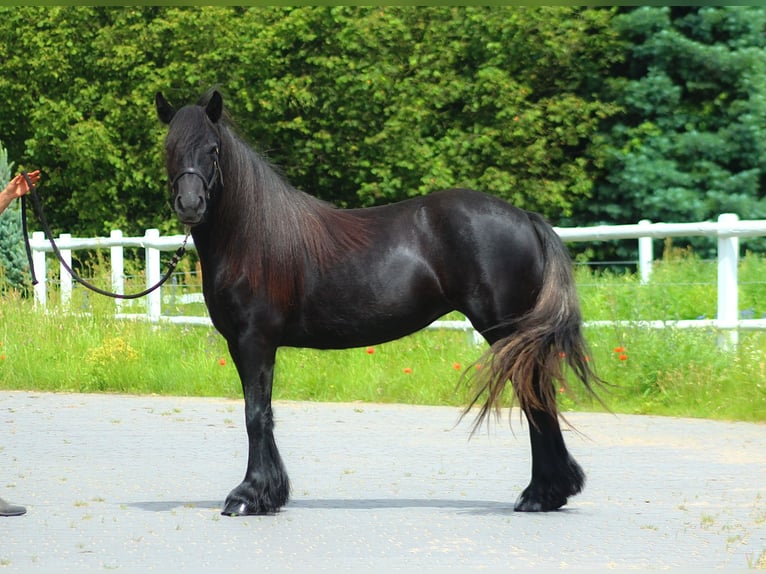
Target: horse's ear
point(164, 110)
point(214, 107)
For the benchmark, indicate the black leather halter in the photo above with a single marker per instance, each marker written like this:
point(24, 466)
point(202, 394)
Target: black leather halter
point(206, 182)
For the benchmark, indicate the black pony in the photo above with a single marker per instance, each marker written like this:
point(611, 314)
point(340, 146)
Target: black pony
point(282, 268)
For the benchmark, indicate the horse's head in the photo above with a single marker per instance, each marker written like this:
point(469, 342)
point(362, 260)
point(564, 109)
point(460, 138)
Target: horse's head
point(192, 149)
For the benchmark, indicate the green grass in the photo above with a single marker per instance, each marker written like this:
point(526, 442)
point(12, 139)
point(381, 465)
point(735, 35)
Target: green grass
point(669, 372)
point(677, 371)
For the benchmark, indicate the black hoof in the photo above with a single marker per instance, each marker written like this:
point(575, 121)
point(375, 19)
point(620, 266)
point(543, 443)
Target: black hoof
point(247, 501)
point(544, 495)
point(234, 507)
point(533, 500)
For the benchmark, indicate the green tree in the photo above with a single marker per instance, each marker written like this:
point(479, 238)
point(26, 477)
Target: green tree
point(94, 143)
point(361, 105)
point(691, 142)
point(12, 255)
point(369, 106)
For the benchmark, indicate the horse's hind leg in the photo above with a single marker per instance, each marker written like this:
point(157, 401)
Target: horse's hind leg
point(555, 474)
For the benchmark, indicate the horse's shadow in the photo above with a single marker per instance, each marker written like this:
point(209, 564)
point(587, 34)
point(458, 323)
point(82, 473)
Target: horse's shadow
point(479, 507)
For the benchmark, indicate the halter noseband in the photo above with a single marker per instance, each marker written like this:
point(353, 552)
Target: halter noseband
point(207, 183)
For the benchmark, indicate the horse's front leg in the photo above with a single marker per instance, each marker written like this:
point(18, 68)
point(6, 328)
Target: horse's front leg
point(265, 488)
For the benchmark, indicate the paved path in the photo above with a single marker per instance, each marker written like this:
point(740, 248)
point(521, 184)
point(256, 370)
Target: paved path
point(123, 482)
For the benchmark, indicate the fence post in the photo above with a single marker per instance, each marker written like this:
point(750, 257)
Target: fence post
point(728, 294)
point(38, 262)
point(645, 254)
point(154, 299)
point(118, 267)
point(65, 279)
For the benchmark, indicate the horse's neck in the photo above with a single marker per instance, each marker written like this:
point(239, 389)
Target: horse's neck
point(209, 263)
point(202, 244)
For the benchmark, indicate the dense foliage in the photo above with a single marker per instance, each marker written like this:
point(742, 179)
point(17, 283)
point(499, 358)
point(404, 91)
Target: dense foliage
point(585, 114)
point(691, 141)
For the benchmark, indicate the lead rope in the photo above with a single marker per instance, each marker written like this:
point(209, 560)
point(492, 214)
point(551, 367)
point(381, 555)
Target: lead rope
point(36, 204)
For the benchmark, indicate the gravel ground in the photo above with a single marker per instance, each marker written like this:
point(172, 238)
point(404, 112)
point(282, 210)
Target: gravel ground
point(136, 483)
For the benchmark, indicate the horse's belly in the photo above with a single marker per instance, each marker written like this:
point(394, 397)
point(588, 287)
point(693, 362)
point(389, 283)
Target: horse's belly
point(385, 297)
point(365, 321)
point(339, 334)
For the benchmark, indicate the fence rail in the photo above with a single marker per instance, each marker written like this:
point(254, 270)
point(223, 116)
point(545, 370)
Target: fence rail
point(728, 229)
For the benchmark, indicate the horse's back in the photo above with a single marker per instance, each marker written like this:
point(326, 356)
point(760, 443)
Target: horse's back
point(457, 222)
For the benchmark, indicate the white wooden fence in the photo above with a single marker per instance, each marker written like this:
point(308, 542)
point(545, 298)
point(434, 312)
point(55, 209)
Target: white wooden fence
point(728, 229)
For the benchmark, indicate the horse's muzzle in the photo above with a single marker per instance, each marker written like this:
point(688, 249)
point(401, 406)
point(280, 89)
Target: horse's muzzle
point(190, 200)
point(190, 208)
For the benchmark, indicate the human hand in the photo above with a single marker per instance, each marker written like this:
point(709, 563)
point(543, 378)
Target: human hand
point(18, 185)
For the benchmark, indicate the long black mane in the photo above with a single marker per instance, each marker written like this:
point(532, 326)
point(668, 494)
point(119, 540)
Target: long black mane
point(263, 227)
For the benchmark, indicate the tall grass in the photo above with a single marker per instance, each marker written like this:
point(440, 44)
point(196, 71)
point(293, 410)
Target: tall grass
point(677, 371)
point(669, 371)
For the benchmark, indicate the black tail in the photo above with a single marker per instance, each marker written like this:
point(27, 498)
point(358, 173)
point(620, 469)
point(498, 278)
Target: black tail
point(542, 341)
